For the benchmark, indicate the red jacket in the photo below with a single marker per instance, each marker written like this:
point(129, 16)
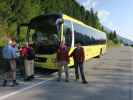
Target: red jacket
point(62, 54)
point(24, 51)
point(78, 55)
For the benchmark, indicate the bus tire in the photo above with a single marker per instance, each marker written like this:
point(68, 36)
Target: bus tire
point(100, 54)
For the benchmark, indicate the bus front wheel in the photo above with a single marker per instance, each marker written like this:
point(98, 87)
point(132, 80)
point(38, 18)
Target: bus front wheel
point(100, 54)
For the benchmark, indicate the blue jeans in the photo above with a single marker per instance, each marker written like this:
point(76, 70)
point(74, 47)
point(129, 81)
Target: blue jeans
point(79, 66)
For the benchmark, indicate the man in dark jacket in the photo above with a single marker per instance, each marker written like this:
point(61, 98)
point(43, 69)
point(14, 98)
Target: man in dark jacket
point(79, 57)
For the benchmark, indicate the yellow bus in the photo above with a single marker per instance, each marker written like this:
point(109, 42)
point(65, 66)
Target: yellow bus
point(46, 31)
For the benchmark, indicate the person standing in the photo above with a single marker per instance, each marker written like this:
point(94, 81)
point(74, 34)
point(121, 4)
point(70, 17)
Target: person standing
point(23, 54)
point(29, 62)
point(14, 62)
point(62, 60)
point(9, 55)
point(79, 57)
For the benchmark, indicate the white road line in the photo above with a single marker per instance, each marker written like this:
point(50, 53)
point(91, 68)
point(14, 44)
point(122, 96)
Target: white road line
point(22, 90)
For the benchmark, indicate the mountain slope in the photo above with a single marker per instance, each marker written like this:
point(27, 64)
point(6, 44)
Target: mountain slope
point(125, 40)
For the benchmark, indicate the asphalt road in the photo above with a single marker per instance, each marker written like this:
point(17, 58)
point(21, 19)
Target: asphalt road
point(109, 78)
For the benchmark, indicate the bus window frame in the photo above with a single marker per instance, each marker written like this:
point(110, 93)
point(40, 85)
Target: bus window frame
point(72, 32)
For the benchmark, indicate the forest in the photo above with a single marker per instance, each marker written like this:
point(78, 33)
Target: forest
point(15, 12)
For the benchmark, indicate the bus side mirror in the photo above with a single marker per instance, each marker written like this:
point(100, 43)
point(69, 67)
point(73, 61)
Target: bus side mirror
point(62, 21)
point(59, 21)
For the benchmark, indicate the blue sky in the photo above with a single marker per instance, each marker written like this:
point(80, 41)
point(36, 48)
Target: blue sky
point(114, 14)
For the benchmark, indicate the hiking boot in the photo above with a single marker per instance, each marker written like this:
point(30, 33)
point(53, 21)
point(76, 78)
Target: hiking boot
point(58, 79)
point(27, 79)
point(66, 80)
point(84, 82)
point(14, 83)
point(31, 77)
point(77, 78)
point(4, 83)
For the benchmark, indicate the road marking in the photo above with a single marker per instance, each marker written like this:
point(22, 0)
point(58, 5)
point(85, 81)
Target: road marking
point(22, 90)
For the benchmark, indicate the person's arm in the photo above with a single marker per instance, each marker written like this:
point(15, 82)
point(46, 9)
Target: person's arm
point(72, 54)
point(83, 54)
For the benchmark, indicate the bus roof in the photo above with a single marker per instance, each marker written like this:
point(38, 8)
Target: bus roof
point(37, 20)
point(81, 23)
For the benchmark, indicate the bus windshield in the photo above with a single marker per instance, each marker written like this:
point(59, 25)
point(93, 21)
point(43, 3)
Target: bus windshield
point(45, 43)
point(47, 34)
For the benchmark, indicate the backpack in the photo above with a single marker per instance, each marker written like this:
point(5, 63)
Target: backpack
point(30, 54)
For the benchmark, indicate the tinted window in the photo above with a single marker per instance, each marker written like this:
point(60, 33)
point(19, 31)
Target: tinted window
point(68, 32)
point(81, 34)
point(88, 36)
point(45, 43)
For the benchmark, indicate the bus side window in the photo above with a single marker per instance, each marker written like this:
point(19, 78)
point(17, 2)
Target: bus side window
point(67, 32)
point(68, 37)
